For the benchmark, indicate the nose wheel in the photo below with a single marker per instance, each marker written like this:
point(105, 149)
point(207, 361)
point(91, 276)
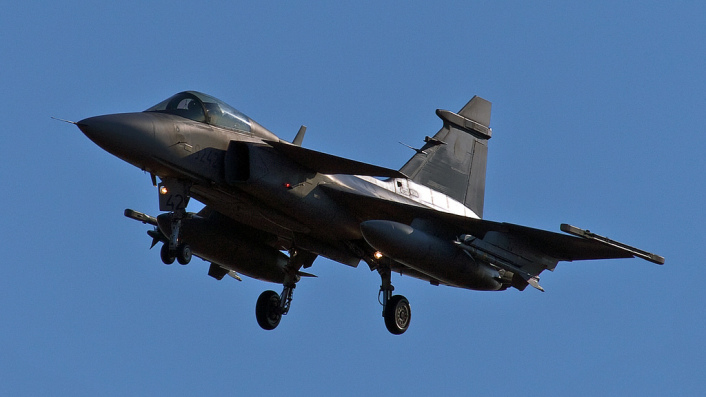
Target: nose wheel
point(167, 256)
point(182, 254)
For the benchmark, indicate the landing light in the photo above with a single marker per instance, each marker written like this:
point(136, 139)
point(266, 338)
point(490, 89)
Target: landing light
point(377, 255)
point(163, 190)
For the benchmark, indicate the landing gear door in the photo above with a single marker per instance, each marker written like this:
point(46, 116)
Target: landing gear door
point(173, 195)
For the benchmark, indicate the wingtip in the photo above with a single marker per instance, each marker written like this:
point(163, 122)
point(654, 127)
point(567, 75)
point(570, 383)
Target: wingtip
point(635, 252)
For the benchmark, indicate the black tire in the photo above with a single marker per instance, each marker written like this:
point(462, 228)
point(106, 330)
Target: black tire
point(183, 254)
point(267, 310)
point(167, 257)
point(398, 314)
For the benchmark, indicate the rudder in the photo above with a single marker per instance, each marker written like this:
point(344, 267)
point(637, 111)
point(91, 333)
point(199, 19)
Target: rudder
point(453, 162)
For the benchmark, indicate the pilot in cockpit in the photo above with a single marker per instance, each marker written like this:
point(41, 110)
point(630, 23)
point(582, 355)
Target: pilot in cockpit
point(190, 108)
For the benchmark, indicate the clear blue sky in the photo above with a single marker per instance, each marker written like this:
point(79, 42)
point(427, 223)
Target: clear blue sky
point(598, 121)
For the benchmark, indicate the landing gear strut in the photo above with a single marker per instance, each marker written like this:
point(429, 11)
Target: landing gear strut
point(270, 306)
point(395, 308)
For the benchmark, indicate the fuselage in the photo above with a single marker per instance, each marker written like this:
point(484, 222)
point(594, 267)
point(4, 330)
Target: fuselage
point(171, 146)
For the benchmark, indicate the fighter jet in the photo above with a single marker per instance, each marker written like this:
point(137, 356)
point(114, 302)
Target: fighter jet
point(272, 207)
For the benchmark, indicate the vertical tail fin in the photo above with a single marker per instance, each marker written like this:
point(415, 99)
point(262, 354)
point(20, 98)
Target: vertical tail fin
point(453, 161)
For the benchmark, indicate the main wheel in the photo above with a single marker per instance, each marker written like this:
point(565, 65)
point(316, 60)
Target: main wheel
point(167, 257)
point(183, 254)
point(398, 314)
point(267, 310)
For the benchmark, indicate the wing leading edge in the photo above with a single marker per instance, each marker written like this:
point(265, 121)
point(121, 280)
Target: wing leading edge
point(329, 164)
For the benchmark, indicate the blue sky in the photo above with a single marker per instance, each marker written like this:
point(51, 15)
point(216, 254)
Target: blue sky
point(598, 121)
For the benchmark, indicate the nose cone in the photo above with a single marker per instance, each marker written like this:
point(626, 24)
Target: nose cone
point(128, 136)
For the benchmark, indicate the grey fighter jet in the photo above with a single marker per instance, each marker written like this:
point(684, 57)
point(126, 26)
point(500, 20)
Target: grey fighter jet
point(272, 207)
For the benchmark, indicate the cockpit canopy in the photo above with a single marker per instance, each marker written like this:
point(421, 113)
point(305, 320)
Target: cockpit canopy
point(204, 109)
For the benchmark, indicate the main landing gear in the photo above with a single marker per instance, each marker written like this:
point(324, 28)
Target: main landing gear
point(395, 308)
point(271, 306)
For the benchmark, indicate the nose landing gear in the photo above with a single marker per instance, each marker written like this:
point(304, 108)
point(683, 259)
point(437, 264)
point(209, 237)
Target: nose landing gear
point(173, 248)
point(173, 197)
